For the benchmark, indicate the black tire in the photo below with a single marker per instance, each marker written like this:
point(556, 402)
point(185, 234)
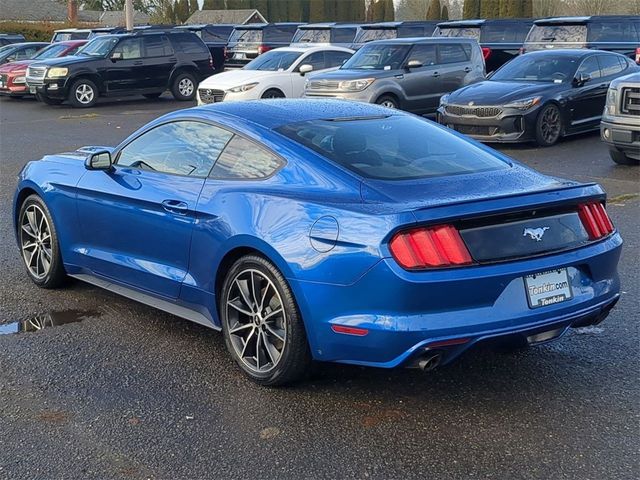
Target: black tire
point(388, 101)
point(284, 332)
point(47, 100)
point(621, 158)
point(152, 96)
point(47, 248)
point(16, 97)
point(83, 93)
point(183, 87)
point(549, 126)
point(273, 93)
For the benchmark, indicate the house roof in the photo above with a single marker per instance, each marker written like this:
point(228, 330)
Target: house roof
point(116, 18)
point(41, 10)
point(236, 17)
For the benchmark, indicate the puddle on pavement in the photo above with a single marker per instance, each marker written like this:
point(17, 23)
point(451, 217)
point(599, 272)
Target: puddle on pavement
point(47, 320)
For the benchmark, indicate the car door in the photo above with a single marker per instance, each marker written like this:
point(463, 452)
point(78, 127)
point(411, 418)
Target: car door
point(125, 70)
point(159, 60)
point(586, 101)
point(421, 85)
point(137, 219)
point(455, 63)
point(316, 60)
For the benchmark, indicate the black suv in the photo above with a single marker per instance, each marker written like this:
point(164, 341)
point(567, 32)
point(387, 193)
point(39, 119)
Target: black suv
point(142, 63)
point(7, 38)
point(500, 39)
point(615, 33)
point(248, 41)
point(216, 38)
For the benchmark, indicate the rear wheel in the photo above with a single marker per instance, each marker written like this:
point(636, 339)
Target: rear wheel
point(39, 244)
point(262, 328)
point(47, 100)
point(621, 158)
point(83, 93)
point(548, 126)
point(387, 101)
point(183, 87)
point(273, 93)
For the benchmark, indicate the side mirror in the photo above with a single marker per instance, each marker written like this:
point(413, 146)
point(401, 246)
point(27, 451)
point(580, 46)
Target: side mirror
point(116, 56)
point(582, 79)
point(414, 64)
point(100, 160)
point(304, 69)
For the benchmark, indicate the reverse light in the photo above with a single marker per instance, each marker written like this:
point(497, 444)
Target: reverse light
point(595, 220)
point(486, 52)
point(431, 247)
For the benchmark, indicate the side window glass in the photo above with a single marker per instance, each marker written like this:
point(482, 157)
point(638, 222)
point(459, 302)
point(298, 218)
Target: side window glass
point(316, 60)
point(425, 54)
point(130, 48)
point(243, 159)
point(590, 67)
point(157, 46)
point(452, 53)
point(336, 59)
point(180, 148)
point(609, 65)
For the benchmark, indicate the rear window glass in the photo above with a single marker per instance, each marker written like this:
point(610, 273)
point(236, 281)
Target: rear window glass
point(315, 35)
point(385, 148)
point(371, 34)
point(279, 33)
point(246, 36)
point(189, 43)
point(558, 33)
point(613, 31)
point(467, 32)
point(343, 35)
point(453, 53)
point(406, 31)
point(216, 34)
point(504, 33)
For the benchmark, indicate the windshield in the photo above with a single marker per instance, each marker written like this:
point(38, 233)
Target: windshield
point(371, 34)
point(316, 35)
point(385, 147)
point(98, 47)
point(466, 32)
point(273, 61)
point(6, 48)
point(377, 57)
point(536, 68)
point(244, 36)
point(50, 52)
point(558, 33)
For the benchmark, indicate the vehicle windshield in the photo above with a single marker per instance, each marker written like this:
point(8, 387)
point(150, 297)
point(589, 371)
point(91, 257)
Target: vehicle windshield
point(246, 36)
point(377, 57)
point(558, 33)
point(273, 61)
point(315, 35)
point(465, 32)
point(536, 68)
point(98, 47)
point(52, 51)
point(6, 48)
point(385, 147)
point(371, 34)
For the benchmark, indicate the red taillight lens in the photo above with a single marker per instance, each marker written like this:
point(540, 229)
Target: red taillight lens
point(638, 55)
point(430, 247)
point(522, 50)
point(486, 52)
point(595, 220)
point(263, 48)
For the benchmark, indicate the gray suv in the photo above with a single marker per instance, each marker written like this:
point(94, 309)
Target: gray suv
point(407, 73)
point(620, 126)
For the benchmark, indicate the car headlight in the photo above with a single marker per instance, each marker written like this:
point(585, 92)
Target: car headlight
point(524, 104)
point(612, 99)
point(443, 99)
point(243, 88)
point(21, 79)
point(355, 85)
point(57, 72)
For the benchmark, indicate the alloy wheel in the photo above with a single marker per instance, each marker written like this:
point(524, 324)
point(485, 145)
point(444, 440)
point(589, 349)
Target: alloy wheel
point(35, 241)
point(550, 125)
point(84, 93)
point(257, 321)
point(185, 87)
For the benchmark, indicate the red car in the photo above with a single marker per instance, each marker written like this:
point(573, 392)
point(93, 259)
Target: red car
point(12, 75)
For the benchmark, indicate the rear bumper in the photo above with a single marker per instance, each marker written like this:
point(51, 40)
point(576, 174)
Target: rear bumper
point(623, 137)
point(404, 313)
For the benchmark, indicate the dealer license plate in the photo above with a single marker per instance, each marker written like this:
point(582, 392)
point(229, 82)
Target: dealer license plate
point(548, 288)
point(239, 56)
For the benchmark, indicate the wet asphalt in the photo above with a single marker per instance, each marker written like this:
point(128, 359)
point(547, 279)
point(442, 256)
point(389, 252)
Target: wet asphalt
point(119, 390)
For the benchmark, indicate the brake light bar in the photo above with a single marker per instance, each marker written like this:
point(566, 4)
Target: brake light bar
point(430, 247)
point(486, 52)
point(595, 220)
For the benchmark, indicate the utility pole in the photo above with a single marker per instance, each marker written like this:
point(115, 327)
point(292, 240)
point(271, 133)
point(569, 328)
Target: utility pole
point(128, 14)
point(72, 12)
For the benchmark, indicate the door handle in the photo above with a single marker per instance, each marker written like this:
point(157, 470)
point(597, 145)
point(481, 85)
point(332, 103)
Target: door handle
point(138, 62)
point(436, 74)
point(467, 69)
point(175, 206)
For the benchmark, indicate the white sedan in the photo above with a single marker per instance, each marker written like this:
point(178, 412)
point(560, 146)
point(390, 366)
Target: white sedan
point(277, 73)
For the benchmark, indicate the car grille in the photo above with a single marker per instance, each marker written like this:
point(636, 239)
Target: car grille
point(630, 101)
point(482, 130)
point(323, 85)
point(3, 80)
point(208, 95)
point(482, 112)
point(35, 75)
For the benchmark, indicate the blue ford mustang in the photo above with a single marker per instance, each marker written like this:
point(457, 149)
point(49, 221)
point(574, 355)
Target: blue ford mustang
point(323, 230)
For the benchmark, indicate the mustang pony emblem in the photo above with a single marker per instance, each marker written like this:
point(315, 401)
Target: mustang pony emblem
point(535, 233)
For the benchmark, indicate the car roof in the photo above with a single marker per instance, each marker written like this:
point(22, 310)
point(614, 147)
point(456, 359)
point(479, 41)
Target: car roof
point(260, 26)
point(276, 113)
point(585, 19)
point(571, 52)
point(26, 44)
point(480, 22)
point(205, 25)
point(316, 48)
point(414, 40)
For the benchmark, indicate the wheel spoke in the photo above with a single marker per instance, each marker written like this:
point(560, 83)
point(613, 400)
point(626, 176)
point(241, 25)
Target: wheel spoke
point(239, 308)
point(271, 314)
point(240, 328)
point(26, 228)
point(267, 347)
point(254, 290)
point(275, 333)
point(246, 342)
point(32, 221)
point(258, 337)
point(244, 294)
point(44, 261)
point(264, 295)
point(29, 245)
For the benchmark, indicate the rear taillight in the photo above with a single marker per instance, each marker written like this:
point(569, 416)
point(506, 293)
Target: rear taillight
point(263, 48)
point(486, 52)
point(638, 55)
point(431, 247)
point(595, 220)
point(522, 50)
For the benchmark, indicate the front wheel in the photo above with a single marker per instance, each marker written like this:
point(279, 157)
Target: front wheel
point(83, 93)
point(183, 87)
point(273, 93)
point(262, 328)
point(548, 126)
point(39, 244)
point(387, 101)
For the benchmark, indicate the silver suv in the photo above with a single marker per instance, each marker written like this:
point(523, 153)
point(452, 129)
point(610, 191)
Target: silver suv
point(407, 73)
point(620, 126)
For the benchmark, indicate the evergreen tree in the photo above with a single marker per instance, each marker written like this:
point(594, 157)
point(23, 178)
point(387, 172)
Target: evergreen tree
point(237, 4)
point(181, 10)
point(294, 10)
point(377, 10)
point(262, 6)
point(471, 9)
point(193, 6)
point(358, 10)
point(489, 8)
point(526, 9)
point(389, 11)
point(317, 10)
point(342, 9)
point(445, 13)
point(433, 12)
point(213, 5)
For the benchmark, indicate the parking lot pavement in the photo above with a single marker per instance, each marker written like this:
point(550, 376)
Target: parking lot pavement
point(130, 392)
